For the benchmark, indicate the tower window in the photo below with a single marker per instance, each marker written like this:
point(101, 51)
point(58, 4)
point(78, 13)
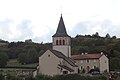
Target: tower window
point(60, 42)
point(63, 42)
point(56, 42)
point(81, 67)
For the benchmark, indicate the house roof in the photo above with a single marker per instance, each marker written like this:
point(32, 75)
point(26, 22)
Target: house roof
point(87, 56)
point(61, 30)
point(65, 67)
point(61, 55)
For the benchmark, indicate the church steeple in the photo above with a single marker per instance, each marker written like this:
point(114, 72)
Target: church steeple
point(61, 40)
point(61, 30)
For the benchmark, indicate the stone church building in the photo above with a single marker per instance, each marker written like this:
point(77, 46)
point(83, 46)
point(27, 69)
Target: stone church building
point(58, 60)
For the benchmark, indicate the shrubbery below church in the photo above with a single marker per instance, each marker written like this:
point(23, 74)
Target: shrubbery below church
point(57, 77)
point(70, 77)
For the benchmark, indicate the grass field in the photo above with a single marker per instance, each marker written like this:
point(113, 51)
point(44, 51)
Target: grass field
point(15, 63)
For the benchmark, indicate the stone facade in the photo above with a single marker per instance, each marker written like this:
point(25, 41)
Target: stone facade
point(87, 62)
point(52, 63)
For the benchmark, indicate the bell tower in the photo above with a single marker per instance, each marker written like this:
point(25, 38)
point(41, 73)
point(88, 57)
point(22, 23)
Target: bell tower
point(61, 40)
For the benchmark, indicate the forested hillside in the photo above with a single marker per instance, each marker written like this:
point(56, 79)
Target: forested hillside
point(27, 53)
point(24, 52)
point(110, 46)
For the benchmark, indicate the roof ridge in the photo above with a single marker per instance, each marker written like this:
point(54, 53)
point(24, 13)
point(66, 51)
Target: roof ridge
point(87, 56)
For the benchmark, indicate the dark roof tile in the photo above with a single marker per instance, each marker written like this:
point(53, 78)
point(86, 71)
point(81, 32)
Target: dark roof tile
point(65, 67)
point(61, 30)
point(61, 55)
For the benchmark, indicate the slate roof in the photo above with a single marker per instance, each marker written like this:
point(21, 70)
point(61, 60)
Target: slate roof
point(87, 56)
point(65, 67)
point(61, 30)
point(61, 55)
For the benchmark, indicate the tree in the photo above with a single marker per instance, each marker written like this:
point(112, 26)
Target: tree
point(96, 35)
point(22, 58)
point(31, 56)
point(115, 64)
point(114, 37)
point(1, 77)
point(28, 57)
point(107, 35)
point(3, 59)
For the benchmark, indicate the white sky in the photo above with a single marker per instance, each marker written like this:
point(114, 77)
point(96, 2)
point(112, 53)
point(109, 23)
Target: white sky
point(38, 19)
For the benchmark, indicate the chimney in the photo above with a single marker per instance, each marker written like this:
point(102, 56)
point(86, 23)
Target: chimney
point(101, 53)
point(82, 53)
point(86, 53)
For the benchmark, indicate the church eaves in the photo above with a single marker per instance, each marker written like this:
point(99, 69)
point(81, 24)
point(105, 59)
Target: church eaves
point(61, 30)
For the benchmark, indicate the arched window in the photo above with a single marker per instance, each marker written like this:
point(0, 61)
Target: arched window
point(78, 70)
point(63, 42)
point(60, 42)
point(81, 68)
point(56, 42)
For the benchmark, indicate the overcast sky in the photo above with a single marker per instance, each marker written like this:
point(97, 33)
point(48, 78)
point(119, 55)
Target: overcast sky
point(38, 19)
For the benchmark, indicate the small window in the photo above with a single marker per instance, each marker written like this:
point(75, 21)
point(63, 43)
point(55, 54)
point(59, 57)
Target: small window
point(81, 68)
point(48, 55)
point(88, 60)
point(63, 42)
point(60, 42)
point(94, 67)
point(56, 42)
point(78, 70)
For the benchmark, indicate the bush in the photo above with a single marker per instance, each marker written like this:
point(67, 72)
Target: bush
point(43, 77)
point(29, 78)
point(70, 77)
point(1, 77)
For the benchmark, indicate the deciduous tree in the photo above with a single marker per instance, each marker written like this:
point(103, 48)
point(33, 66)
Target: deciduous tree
point(3, 59)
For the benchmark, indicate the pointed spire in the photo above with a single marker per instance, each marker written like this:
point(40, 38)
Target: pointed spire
point(61, 30)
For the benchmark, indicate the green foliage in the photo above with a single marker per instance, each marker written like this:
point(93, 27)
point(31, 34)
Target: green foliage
point(1, 77)
point(56, 77)
point(22, 58)
point(3, 59)
point(115, 64)
point(29, 78)
point(69, 77)
point(31, 52)
point(10, 76)
point(31, 56)
point(15, 63)
point(118, 78)
point(43, 77)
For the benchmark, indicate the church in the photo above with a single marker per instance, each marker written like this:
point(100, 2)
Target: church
point(58, 60)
